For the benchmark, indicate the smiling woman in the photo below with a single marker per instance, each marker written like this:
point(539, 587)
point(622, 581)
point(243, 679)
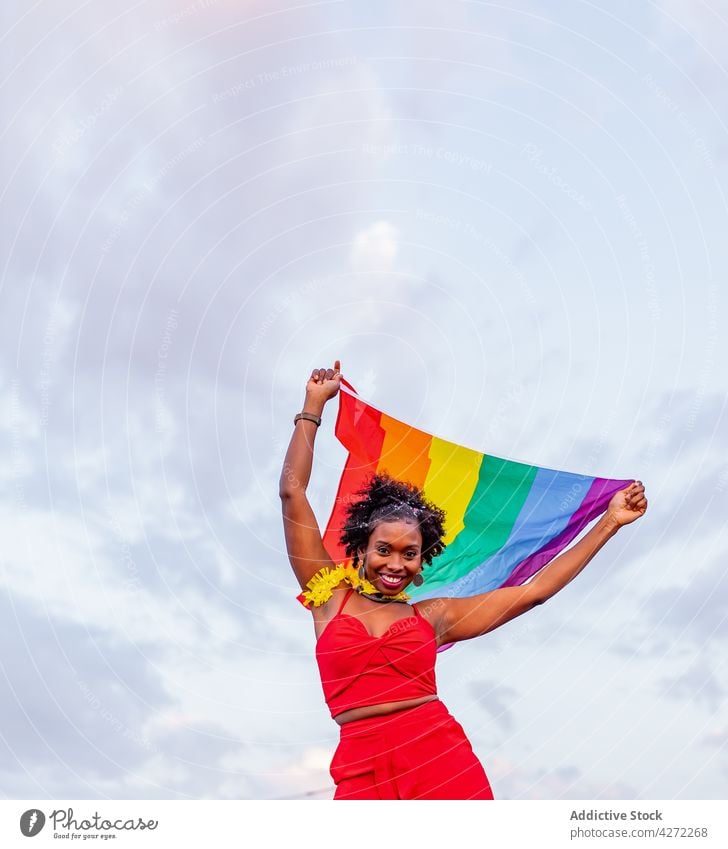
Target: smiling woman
point(377, 659)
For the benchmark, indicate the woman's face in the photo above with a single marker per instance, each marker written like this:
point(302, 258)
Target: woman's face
point(393, 555)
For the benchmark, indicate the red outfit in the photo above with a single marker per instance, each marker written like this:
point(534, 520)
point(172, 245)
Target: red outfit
point(358, 669)
point(416, 753)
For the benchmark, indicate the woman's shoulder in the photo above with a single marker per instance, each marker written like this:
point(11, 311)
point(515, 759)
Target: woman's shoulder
point(432, 610)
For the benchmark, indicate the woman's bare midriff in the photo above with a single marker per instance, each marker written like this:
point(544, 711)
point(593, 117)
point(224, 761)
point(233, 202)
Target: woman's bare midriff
point(380, 710)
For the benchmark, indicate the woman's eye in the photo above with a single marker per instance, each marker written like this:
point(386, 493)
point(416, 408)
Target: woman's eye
point(382, 551)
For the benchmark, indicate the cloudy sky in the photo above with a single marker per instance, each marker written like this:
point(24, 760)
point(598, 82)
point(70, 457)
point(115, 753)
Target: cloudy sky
point(507, 220)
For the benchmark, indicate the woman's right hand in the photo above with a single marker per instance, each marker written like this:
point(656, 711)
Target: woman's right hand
point(324, 383)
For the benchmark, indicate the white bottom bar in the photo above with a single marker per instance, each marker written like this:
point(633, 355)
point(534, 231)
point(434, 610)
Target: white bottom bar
point(369, 825)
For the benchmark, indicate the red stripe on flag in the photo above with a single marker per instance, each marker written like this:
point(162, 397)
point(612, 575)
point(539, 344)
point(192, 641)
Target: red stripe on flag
point(358, 429)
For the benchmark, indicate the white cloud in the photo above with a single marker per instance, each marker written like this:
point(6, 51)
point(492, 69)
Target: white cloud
point(307, 776)
point(64, 565)
point(706, 23)
point(375, 249)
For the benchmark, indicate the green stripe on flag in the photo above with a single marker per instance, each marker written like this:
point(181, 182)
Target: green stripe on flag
point(502, 489)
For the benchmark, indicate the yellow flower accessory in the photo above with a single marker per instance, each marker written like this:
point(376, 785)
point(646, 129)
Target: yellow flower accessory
point(321, 586)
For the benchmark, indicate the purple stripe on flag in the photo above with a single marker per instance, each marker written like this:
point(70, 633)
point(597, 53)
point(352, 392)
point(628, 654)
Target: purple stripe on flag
point(594, 503)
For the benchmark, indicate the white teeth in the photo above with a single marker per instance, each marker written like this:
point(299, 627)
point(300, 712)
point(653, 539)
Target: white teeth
point(389, 579)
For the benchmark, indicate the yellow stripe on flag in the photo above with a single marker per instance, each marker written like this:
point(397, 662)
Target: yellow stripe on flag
point(451, 481)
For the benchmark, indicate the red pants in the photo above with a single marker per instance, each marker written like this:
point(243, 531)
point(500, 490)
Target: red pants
point(419, 753)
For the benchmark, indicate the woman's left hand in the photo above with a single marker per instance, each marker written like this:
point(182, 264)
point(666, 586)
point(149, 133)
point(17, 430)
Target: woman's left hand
point(628, 504)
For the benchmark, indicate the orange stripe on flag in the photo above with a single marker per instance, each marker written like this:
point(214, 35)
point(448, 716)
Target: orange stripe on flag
point(405, 451)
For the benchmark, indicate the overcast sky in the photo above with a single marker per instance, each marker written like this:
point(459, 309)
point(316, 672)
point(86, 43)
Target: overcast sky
point(507, 220)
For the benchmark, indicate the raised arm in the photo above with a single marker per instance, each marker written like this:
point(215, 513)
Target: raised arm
point(303, 538)
point(457, 619)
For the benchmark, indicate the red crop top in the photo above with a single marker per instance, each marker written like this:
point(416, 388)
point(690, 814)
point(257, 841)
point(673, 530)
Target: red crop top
point(358, 669)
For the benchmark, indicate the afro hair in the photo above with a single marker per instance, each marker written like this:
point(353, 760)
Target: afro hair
point(383, 499)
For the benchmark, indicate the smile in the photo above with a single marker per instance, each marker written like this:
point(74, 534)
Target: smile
point(391, 580)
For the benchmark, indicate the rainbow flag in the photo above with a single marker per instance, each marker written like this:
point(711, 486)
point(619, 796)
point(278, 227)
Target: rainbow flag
point(505, 520)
